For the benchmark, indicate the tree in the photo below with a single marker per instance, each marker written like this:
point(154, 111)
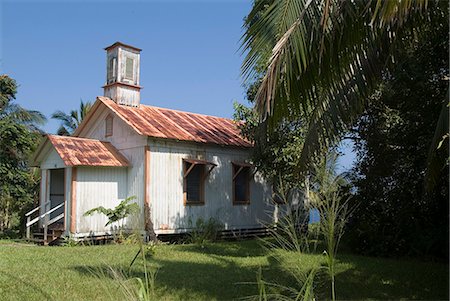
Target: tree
point(69, 122)
point(395, 214)
point(19, 135)
point(17, 181)
point(327, 57)
point(275, 152)
point(13, 112)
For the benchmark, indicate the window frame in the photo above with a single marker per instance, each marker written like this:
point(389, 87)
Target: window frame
point(110, 119)
point(236, 168)
point(204, 174)
point(112, 69)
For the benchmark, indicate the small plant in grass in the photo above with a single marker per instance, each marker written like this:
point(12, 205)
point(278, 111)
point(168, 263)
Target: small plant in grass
point(69, 241)
point(291, 230)
point(328, 194)
point(333, 211)
point(133, 288)
point(204, 231)
point(116, 214)
point(272, 291)
point(146, 286)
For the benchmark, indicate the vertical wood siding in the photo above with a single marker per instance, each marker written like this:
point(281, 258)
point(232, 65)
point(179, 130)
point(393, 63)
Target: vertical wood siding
point(104, 186)
point(68, 195)
point(168, 210)
point(43, 192)
point(132, 146)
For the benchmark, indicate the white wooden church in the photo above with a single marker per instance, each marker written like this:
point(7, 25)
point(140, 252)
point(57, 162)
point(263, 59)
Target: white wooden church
point(180, 166)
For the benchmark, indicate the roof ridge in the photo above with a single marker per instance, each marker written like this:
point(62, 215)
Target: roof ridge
point(187, 112)
point(74, 137)
point(176, 110)
point(153, 121)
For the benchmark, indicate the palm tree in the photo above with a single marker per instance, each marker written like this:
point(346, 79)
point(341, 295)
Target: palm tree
point(14, 112)
point(69, 122)
point(323, 59)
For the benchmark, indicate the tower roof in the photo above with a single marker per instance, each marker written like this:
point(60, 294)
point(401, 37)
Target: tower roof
point(122, 44)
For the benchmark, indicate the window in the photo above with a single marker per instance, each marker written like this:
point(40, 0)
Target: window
point(129, 66)
point(241, 183)
point(108, 126)
point(112, 69)
point(194, 175)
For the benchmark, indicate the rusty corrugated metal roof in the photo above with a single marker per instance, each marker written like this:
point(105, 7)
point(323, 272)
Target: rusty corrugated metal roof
point(178, 125)
point(87, 152)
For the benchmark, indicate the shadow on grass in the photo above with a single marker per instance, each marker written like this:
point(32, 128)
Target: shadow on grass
point(221, 280)
point(228, 249)
point(227, 271)
point(378, 278)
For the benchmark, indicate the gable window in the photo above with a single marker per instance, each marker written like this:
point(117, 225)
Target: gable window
point(129, 68)
point(108, 126)
point(241, 183)
point(194, 175)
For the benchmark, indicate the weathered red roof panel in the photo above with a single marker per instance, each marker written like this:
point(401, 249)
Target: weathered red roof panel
point(87, 152)
point(172, 124)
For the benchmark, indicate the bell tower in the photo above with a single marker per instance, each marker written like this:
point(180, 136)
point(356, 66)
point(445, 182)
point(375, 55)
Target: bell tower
point(122, 74)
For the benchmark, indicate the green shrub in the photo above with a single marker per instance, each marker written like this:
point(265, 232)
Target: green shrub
point(204, 231)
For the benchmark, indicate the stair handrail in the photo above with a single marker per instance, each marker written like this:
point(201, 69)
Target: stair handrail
point(32, 222)
point(32, 211)
point(42, 216)
point(55, 219)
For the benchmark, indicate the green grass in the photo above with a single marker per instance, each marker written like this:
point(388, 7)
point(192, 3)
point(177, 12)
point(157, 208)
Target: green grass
point(221, 271)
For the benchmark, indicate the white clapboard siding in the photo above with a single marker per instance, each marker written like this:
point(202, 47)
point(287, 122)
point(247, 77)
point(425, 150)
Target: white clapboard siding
point(52, 161)
point(166, 190)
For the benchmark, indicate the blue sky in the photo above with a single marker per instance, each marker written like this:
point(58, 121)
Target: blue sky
point(190, 59)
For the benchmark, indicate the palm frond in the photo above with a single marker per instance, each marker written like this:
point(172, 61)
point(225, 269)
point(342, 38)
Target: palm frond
point(326, 59)
point(23, 116)
point(72, 120)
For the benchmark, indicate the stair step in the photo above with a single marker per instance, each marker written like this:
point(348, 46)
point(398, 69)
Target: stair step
point(52, 237)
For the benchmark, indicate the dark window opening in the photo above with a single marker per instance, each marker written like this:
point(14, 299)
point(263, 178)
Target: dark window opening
point(108, 126)
point(194, 183)
point(241, 184)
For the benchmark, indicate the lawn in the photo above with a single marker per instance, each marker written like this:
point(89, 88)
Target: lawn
point(220, 271)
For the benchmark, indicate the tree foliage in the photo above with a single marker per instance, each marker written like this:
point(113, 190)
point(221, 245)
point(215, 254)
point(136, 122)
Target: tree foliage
point(69, 122)
point(276, 152)
point(327, 57)
point(118, 213)
point(395, 214)
point(19, 135)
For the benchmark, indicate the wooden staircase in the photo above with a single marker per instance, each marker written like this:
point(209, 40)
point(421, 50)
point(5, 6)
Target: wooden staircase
point(54, 234)
point(51, 229)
